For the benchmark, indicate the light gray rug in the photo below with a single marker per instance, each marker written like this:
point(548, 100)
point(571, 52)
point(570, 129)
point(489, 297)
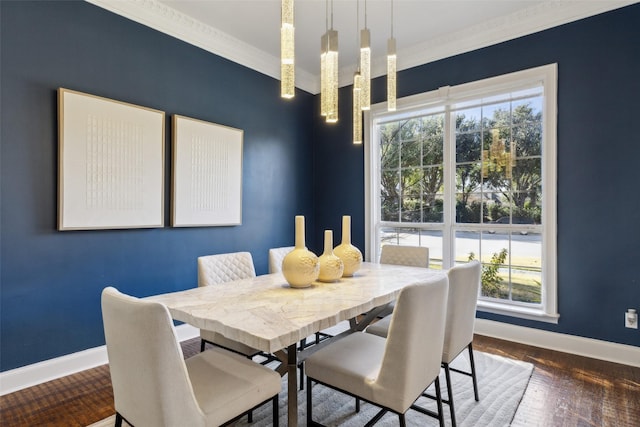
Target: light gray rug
point(501, 384)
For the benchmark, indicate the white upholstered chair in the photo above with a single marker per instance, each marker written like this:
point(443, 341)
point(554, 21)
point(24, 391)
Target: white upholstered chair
point(412, 256)
point(276, 255)
point(464, 285)
point(153, 385)
point(221, 268)
point(390, 373)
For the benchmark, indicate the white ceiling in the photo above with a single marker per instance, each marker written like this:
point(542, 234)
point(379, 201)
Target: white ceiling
point(248, 31)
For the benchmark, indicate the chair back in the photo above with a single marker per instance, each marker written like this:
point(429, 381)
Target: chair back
point(276, 256)
point(413, 349)
point(221, 268)
point(151, 386)
point(464, 284)
point(413, 256)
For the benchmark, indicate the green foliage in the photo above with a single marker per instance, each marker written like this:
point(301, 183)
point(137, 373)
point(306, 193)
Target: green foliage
point(490, 276)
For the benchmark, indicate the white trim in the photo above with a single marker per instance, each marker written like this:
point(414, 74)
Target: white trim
point(539, 17)
point(444, 97)
point(517, 310)
point(542, 16)
point(588, 347)
point(165, 19)
point(37, 373)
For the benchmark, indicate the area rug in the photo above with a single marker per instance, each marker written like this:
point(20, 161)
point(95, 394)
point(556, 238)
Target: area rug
point(501, 383)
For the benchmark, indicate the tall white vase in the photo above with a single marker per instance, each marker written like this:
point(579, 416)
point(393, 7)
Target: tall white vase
point(300, 267)
point(349, 254)
point(331, 266)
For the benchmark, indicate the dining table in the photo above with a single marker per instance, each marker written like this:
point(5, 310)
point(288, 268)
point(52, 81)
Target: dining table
point(266, 313)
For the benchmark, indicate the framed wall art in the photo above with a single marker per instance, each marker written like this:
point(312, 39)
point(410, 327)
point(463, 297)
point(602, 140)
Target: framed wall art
point(111, 163)
point(206, 174)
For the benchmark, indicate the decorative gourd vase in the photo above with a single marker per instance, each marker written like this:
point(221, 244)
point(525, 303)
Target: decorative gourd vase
point(331, 266)
point(349, 254)
point(300, 267)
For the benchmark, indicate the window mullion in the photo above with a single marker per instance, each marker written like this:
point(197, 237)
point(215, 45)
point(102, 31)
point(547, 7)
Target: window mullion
point(449, 171)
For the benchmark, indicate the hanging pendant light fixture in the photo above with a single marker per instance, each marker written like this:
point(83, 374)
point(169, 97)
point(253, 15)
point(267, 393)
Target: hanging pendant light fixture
point(357, 90)
point(391, 68)
point(365, 63)
point(329, 73)
point(331, 66)
point(287, 51)
point(357, 108)
point(324, 42)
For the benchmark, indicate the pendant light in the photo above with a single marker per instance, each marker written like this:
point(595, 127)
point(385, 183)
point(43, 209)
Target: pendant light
point(287, 51)
point(329, 73)
point(357, 91)
point(365, 63)
point(391, 68)
point(357, 108)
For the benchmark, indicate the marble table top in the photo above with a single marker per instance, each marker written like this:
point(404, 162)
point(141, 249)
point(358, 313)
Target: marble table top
point(266, 313)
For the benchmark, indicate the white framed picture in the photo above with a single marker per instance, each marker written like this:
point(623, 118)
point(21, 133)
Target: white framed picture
point(110, 163)
point(206, 174)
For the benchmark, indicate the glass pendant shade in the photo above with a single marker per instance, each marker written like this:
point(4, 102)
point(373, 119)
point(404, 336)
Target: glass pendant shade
point(323, 74)
point(357, 108)
point(365, 68)
point(287, 51)
point(391, 74)
point(331, 75)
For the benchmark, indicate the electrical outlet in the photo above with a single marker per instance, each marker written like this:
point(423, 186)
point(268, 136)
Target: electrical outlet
point(631, 319)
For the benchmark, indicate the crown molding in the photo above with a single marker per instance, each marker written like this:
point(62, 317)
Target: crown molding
point(528, 21)
point(167, 20)
point(540, 17)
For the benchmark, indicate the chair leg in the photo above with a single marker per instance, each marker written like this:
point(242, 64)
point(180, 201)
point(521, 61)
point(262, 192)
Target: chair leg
point(309, 403)
point(276, 412)
point(357, 404)
point(202, 343)
point(447, 375)
point(403, 423)
point(473, 372)
point(118, 420)
point(439, 401)
point(301, 369)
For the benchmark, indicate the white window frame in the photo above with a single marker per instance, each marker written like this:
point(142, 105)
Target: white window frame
point(443, 98)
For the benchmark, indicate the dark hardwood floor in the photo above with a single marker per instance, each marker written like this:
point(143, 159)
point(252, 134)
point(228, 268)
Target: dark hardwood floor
point(565, 390)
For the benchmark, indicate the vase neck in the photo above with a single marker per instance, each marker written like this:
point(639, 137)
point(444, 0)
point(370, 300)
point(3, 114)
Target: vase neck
point(346, 230)
point(300, 241)
point(328, 242)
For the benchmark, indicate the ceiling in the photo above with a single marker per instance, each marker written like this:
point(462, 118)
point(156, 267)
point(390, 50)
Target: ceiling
point(248, 31)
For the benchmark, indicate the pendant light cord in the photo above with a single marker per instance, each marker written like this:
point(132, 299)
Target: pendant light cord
point(391, 18)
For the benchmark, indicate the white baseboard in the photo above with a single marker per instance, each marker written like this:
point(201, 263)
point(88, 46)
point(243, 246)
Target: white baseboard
point(37, 373)
point(588, 347)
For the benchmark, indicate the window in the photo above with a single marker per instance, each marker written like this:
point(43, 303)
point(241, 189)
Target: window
point(469, 171)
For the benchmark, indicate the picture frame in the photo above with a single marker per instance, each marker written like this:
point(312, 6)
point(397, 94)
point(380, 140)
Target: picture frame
point(110, 163)
point(206, 173)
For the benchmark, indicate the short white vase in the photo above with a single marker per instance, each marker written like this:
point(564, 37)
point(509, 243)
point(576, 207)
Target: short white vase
point(349, 254)
point(300, 267)
point(331, 266)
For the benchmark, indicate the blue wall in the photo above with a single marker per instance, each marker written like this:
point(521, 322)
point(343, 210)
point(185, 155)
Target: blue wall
point(598, 152)
point(51, 281)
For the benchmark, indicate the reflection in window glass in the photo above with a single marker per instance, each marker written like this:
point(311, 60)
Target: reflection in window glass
point(496, 161)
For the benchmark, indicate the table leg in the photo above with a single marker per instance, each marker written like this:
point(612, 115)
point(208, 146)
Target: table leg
point(292, 384)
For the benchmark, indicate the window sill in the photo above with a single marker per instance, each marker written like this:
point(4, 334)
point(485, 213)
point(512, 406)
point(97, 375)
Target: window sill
point(517, 311)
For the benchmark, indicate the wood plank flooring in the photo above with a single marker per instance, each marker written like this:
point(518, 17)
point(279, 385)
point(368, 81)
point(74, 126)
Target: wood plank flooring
point(565, 390)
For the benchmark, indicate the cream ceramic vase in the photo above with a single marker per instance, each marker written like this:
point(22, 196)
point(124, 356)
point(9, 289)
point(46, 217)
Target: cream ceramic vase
point(300, 267)
point(349, 254)
point(331, 266)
